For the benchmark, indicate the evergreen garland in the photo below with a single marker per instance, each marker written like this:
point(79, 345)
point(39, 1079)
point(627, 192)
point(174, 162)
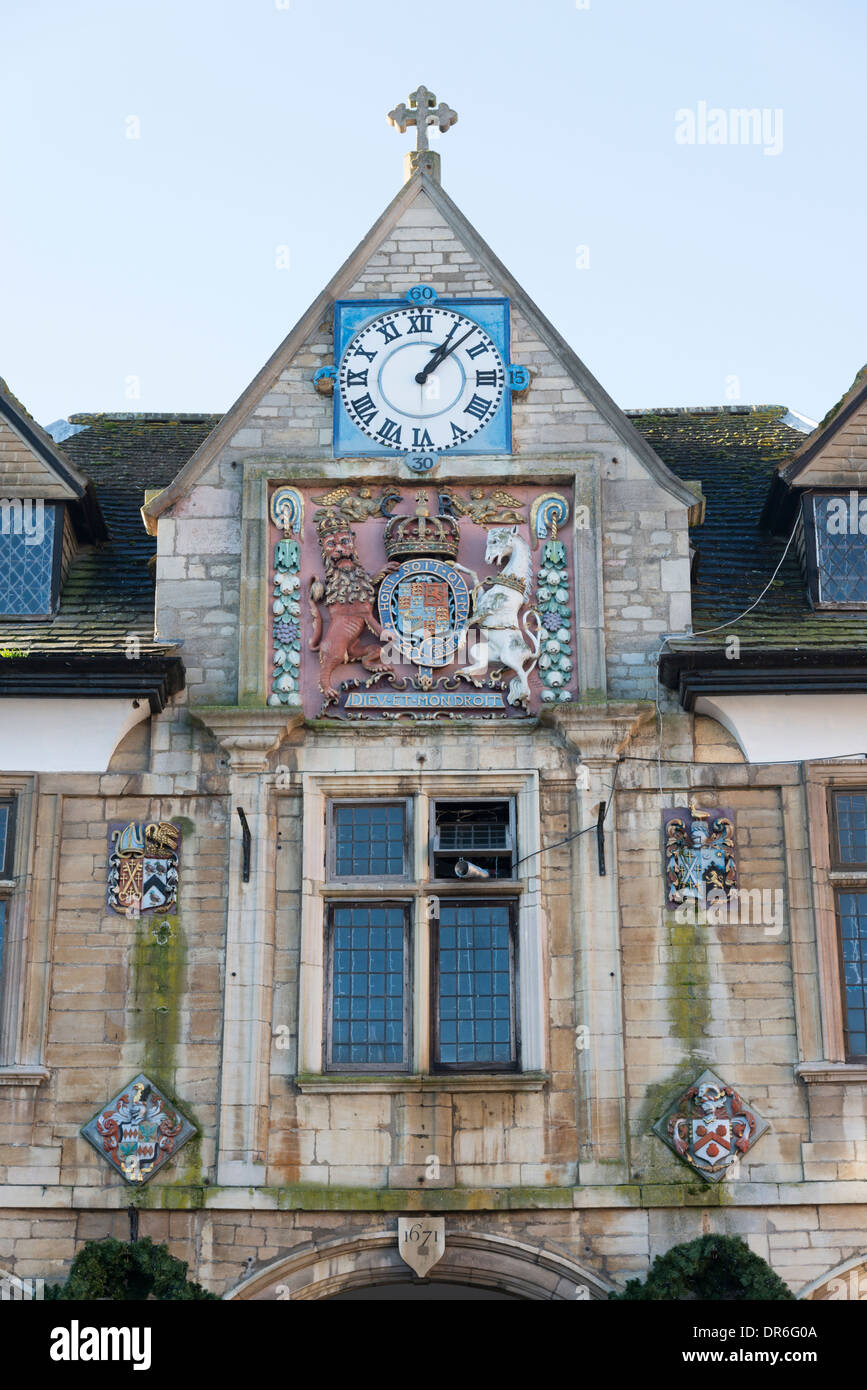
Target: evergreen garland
point(720, 1268)
point(121, 1271)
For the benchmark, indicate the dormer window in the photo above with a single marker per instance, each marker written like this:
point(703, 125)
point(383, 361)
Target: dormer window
point(31, 544)
point(836, 548)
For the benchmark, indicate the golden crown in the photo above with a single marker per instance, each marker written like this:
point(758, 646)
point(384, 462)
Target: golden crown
point(328, 521)
point(408, 536)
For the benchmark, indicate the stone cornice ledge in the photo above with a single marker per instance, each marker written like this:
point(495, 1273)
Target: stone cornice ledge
point(248, 735)
point(322, 1197)
point(392, 1085)
point(597, 730)
point(23, 1075)
point(817, 1072)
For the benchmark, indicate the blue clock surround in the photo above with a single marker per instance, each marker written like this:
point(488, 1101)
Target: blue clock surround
point(492, 315)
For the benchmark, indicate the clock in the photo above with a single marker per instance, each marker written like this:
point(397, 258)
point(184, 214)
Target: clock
point(422, 380)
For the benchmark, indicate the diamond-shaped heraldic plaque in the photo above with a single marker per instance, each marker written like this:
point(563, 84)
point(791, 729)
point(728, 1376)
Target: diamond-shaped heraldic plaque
point(710, 1127)
point(138, 1131)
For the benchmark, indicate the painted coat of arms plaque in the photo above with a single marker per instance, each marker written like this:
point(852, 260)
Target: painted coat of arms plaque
point(142, 867)
point(138, 1131)
point(699, 854)
point(710, 1127)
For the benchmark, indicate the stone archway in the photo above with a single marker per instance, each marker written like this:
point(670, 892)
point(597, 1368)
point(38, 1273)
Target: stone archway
point(845, 1282)
point(474, 1261)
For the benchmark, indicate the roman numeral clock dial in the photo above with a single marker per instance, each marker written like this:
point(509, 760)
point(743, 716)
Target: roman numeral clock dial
point(419, 380)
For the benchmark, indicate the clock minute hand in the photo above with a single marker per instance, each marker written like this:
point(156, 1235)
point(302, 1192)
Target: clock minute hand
point(441, 354)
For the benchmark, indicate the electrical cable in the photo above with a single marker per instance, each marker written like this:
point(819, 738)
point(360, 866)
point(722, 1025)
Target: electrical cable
point(765, 762)
point(692, 636)
point(578, 833)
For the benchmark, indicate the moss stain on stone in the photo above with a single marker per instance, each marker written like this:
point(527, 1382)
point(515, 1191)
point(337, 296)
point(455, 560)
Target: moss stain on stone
point(159, 971)
point(687, 981)
point(159, 978)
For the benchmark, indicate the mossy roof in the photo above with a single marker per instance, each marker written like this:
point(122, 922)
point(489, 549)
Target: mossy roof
point(734, 452)
point(109, 591)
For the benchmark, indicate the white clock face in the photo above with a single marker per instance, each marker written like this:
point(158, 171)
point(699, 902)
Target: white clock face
point(421, 380)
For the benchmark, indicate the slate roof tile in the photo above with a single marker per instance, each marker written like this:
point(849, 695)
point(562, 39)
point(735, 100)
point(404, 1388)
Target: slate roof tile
point(734, 452)
point(109, 591)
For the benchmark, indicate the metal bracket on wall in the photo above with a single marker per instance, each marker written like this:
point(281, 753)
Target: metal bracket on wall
point(248, 840)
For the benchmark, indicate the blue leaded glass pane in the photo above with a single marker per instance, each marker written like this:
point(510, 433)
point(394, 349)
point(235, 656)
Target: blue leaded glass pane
point(367, 994)
point(475, 985)
point(852, 827)
point(368, 841)
point(841, 550)
point(27, 536)
point(853, 927)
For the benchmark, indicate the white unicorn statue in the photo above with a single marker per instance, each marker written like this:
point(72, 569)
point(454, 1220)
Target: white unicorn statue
point(496, 606)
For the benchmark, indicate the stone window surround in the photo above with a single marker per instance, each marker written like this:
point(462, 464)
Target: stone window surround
point(822, 780)
point(26, 961)
point(318, 789)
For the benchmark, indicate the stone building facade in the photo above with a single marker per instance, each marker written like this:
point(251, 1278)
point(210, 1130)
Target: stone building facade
point(199, 705)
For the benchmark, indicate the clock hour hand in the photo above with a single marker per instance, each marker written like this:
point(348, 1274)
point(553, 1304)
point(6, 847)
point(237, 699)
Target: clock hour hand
point(442, 353)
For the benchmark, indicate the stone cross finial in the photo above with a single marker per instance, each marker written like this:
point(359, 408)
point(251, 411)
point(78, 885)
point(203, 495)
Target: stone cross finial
point(422, 112)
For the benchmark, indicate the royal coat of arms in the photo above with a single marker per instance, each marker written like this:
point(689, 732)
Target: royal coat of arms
point(434, 636)
point(142, 867)
point(710, 1127)
point(138, 1131)
point(424, 604)
point(699, 854)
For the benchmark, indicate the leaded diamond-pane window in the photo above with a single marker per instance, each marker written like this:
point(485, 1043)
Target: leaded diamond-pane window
point(853, 944)
point(850, 817)
point(475, 1012)
point(841, 549)
point(30, 536)
point(368, 840)
point(368, 986)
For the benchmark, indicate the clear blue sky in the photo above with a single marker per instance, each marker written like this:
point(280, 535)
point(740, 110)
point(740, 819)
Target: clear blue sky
point(263, 124)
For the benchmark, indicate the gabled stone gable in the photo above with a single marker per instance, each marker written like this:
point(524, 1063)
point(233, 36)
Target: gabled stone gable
point(555, 416)
point(841, 458)
point(25, 473)
point(635, 539)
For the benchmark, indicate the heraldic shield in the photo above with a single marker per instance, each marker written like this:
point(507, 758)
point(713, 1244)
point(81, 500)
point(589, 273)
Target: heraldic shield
point(142, 867)
point(699, 854)
point(138, 1131)
point(710, 1127)
point(425, 604)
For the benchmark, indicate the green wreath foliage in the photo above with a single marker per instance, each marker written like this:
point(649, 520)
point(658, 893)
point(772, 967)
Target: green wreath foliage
point(128, 1272)
point(719, 1268)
